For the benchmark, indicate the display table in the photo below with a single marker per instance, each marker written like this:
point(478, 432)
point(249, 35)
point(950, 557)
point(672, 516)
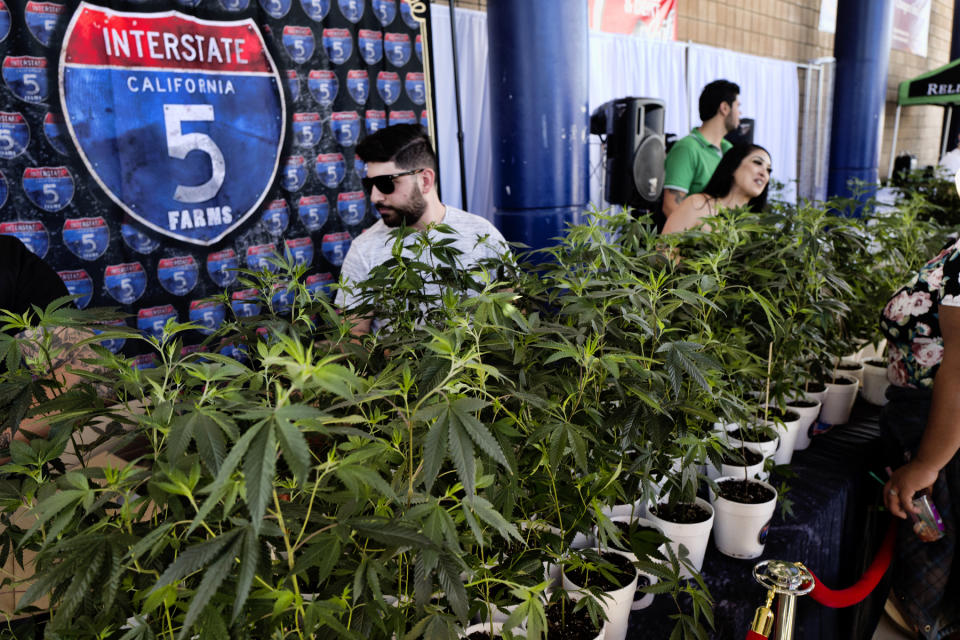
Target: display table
point(835, 531)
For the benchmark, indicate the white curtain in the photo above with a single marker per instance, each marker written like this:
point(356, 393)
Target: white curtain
point(620, 66)
point(769, 93)
point(474, 105)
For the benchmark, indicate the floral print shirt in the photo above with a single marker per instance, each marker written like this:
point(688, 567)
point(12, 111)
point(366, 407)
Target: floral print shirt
point(910, 321)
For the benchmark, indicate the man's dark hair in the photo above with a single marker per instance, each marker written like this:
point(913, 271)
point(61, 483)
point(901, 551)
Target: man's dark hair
point(716, 93)
point(407, 145)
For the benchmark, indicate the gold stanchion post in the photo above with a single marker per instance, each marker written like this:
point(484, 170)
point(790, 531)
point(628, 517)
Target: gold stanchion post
point(788, 580)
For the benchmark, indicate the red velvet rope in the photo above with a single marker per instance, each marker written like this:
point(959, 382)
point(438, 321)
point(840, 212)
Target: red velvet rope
point(855, 594)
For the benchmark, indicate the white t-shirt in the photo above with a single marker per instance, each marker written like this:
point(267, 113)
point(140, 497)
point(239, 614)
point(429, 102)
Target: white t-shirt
point(473, 236)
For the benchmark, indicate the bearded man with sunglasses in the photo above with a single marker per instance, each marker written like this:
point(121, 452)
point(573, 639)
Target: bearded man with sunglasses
point(401, 181)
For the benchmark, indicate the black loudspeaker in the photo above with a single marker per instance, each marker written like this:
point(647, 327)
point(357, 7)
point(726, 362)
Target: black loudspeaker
point(635, 150)
point(903, 165)
point(742, 134)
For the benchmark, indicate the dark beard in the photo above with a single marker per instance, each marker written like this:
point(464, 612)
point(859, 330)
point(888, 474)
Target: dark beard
point(408, 214)
point(728, 123)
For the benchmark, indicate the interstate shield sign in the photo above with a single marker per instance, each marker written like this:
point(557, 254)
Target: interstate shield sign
point(180, 120)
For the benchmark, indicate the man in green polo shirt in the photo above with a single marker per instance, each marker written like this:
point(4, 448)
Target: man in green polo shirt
point(693, 158)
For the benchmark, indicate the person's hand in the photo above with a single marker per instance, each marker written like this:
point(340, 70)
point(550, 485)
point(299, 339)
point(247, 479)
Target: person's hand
point(903, 485)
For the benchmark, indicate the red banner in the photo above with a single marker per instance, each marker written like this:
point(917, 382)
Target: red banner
point(911, 26)
point(649, 18)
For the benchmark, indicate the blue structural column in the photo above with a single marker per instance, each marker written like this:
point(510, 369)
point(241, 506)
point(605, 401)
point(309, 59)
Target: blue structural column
point(862, 50)
point(540, 125)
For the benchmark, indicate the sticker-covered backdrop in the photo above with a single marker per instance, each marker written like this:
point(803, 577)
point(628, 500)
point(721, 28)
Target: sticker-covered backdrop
point(147, 148)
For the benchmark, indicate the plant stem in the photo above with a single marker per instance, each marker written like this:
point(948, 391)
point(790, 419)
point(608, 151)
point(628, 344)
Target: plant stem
point(766, 404)
point(290, 560)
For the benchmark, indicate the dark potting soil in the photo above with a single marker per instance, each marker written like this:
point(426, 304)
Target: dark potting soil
point(844, 381)
point(745, 491)
point(501, 594)
point(630, 528)
point(802, 404)
point(876, 362)
point(681, 512)
point(640, 539)
point(485, 635)
point(512, 548)
point(850, 366)
point(816, 387)
point(735, 457)
point(572, 626)
point(643, 581)
point(750, 435)
point(617, 577)
point(783, 416)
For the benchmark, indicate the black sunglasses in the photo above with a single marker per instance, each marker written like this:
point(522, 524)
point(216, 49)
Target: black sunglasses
point(384, 183)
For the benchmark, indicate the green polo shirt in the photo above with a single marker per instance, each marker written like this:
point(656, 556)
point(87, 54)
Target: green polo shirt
point(691, 162)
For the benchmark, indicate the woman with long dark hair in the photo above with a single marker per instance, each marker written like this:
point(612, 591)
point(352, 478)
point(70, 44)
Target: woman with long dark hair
point(742, 179)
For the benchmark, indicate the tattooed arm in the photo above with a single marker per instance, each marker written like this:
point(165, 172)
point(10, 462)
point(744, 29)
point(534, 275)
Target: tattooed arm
point(671, 201)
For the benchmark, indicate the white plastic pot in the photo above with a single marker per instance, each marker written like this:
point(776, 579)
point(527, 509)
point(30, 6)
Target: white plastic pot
point(676, 466)
point(875, 384)
point(693, 536)
point(641, 600)
point(856, 372)
point(712, 472)
point(808, 415)
point(636, 510)
point(870, 351)
point(725, 426)
point(815, 395)
point(499, 614)
point(788, 432)
point(574, 596)
point(754, 471)
point(766, 448)
point(583, 541)
point(495, 626)
point(741, 529)
point(616, 605)
point(838, 403)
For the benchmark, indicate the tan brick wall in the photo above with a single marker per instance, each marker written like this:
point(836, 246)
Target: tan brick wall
point(787, 29)
point(920, 127)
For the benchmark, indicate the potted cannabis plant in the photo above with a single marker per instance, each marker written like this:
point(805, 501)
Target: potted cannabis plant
point(639, 538)
point(875, 381)
point(611, 577)
point(744, 508)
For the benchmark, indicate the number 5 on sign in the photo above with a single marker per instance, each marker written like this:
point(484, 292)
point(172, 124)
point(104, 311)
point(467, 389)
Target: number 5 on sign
point(30, 81)
point(204, 156)
point(179, 146)
point(53, 197)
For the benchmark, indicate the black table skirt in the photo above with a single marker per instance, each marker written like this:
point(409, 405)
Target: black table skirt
point(835, 531)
